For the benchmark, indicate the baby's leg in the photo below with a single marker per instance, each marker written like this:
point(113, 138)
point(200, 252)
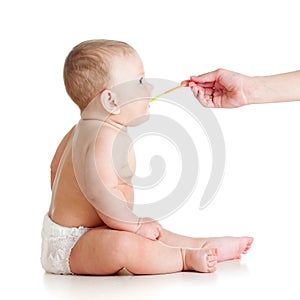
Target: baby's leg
point(106, 251)
point(228, 247)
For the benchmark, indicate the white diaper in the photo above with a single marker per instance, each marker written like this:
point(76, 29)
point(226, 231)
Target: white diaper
point(57, 243)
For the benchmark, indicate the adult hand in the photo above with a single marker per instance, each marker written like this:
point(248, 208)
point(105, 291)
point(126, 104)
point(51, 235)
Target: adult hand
point(221, 88)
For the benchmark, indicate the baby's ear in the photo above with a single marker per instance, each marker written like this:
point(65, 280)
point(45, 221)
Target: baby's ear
point(109, 102)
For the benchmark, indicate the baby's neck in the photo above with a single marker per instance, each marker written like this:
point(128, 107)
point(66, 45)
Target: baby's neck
point(95, 112)
point(105, 121)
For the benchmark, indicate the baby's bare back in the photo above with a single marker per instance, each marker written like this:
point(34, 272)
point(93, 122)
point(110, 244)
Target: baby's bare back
point(71, 198)
point(69, 207)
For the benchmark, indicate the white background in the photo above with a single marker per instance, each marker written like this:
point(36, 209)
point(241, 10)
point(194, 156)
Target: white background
point(176, 39)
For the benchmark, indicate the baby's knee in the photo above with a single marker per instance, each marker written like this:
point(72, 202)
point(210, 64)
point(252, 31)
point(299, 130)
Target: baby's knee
point(131, 243)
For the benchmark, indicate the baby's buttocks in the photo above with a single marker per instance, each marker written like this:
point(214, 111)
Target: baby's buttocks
point(57, 244)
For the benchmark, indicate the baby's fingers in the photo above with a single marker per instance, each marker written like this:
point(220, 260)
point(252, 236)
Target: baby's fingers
point(159, 233)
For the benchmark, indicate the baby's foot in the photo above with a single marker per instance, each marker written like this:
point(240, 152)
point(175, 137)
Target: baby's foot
point(229, 247)
point(199, 260)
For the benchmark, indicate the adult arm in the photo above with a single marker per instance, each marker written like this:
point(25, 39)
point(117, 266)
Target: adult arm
point(227, 89)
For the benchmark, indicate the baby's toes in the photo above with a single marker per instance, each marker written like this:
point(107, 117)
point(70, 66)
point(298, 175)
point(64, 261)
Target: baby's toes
point(212, 260)
point(247, 245)
point(213, 252)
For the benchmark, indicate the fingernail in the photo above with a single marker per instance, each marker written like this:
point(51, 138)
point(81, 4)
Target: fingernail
point(185, 82)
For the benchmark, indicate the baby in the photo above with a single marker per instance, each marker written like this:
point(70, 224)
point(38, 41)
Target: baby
point(90, 227)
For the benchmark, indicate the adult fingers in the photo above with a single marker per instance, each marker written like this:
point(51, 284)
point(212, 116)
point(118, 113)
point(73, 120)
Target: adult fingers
point(207, 78)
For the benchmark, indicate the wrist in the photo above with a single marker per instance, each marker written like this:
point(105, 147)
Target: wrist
point(252, 90)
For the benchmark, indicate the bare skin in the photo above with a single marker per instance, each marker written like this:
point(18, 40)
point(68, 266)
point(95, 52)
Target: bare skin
point(227, 89)
point(106, 251)
point(111, 244)
point(228, 247)
point(103, 251)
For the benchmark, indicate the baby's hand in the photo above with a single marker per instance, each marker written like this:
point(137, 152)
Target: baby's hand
point(149, 229)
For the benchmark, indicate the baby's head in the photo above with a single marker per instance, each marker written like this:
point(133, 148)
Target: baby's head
point(111, 70)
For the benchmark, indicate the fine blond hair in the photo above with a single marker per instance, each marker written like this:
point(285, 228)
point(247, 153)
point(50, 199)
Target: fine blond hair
point(87, 68)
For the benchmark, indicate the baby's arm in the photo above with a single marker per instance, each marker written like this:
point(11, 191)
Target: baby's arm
point(114, 201)
point(114, 209)
point(99, 181)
